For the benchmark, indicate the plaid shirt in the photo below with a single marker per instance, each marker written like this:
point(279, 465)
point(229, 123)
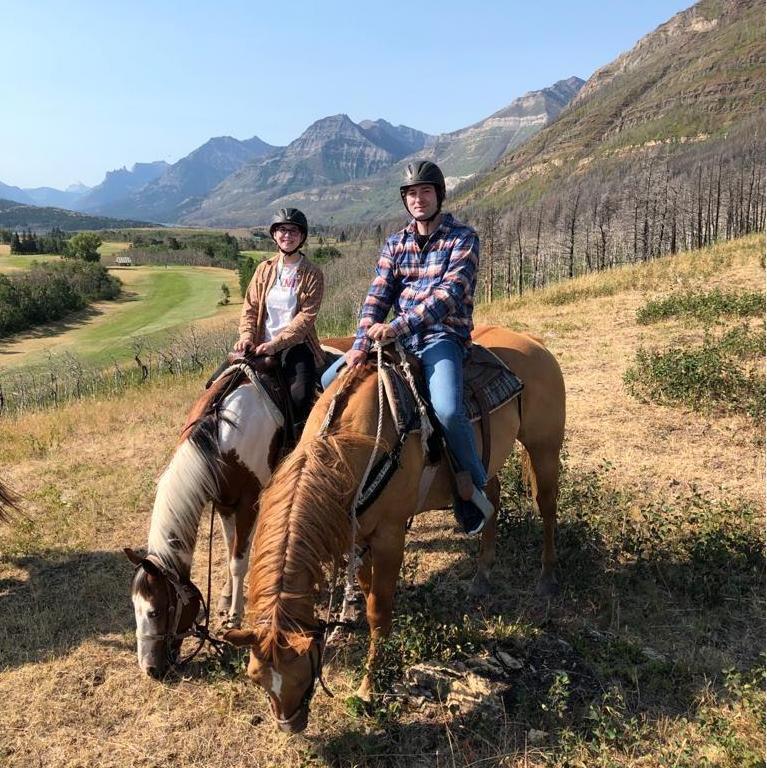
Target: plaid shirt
point(430, 290)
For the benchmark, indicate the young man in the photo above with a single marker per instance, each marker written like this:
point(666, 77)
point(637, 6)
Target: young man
point(427, 274)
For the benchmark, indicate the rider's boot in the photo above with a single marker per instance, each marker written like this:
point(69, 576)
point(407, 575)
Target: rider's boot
point(472, 508)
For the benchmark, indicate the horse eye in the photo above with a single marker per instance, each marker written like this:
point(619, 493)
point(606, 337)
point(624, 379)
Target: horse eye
point(152, 614)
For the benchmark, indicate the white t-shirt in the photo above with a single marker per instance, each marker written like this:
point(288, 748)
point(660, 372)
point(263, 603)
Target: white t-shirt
point(282, 299)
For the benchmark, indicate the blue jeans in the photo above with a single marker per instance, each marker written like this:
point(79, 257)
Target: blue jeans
point(442, 361)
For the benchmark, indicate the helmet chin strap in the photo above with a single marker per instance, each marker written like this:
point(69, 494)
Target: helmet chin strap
point(290, 253)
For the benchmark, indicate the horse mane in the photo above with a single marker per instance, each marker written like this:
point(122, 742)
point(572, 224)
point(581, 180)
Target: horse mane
point(303, 524)
point(192, 478)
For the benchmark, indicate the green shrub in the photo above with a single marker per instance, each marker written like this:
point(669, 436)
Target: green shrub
point(245, 270)
point(706, 307)
point(325, 253)
point(701, 377)
point(50, 291)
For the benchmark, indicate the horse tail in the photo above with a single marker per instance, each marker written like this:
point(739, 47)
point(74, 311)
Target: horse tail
point(9, 501)
point(192, 479)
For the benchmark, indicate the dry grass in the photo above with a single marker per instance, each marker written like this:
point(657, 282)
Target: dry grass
point(652, 447)
point(73, 695)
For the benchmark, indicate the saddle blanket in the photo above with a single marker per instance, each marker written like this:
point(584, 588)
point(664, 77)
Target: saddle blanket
point(485, 378)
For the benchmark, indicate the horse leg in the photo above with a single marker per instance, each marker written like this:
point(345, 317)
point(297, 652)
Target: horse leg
point(387, 557)
point(239, 555)
point(480, 586)
point(227, 529)
point(365, 573)
point(544, 478)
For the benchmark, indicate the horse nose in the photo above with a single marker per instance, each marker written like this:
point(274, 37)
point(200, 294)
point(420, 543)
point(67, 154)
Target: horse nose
point(153, 672)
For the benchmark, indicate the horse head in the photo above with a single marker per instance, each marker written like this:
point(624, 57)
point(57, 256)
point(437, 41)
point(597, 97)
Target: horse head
point(287, 669)
point(165, 607)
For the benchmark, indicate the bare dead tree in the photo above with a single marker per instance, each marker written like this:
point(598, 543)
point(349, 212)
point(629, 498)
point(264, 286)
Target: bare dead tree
point(572, 218)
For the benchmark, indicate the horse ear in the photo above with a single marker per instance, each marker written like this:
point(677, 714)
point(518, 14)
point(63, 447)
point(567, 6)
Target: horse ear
point(240, 637)
point(142, 562)
point(134, 557)
point(300, 642)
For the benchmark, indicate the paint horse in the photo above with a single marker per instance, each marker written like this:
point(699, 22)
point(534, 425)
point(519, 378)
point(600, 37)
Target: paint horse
point(227, 451)
point(305, 526)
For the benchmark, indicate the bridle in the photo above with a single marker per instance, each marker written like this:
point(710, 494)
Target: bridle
point(319, 634)
point(181, 593)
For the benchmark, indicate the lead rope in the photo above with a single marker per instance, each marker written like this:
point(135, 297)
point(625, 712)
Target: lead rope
point(351, 566)
point(426, 428)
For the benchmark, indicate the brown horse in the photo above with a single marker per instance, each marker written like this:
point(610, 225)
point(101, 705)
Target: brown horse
point(305, 524)
point(9, 501)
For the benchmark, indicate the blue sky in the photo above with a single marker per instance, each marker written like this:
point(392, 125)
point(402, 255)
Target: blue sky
point(92, 86)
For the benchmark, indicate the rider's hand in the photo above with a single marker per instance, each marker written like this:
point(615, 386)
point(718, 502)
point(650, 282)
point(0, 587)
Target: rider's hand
point(381, 332)
point(243, 345)
point(267, 348)
point(356, 358)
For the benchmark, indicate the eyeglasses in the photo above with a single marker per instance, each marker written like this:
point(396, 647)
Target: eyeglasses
point(288, 230)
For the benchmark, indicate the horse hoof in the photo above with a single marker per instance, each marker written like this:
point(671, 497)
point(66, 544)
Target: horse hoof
point(231, 622)
point(365, 691)
point(480, 586)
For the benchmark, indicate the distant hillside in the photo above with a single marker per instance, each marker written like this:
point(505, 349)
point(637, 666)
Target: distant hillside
point(183, 185)
point(694, 78)
point(17, 216)
point(461, 154)
point(399, 140)
point(57, 198)
point(346, 171)
point(17, 194)
point(120, 184)
point(662, 149)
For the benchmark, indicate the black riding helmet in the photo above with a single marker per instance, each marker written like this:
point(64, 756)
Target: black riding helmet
point(423, 172)
point(290, 216)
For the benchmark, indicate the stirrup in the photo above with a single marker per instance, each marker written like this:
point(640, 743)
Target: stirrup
point(480, 500)
point(472, 508)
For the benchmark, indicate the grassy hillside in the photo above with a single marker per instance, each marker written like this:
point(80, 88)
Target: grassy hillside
point(652, 656)
point(155, 300)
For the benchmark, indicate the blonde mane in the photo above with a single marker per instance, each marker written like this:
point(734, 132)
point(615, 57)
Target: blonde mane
point(303, 524)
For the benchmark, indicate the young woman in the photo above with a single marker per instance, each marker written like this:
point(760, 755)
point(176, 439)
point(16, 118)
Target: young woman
point(281, 306)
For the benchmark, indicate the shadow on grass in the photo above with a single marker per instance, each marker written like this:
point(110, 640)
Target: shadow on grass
point(71, 322)
point(60, 601)
point(56, 328)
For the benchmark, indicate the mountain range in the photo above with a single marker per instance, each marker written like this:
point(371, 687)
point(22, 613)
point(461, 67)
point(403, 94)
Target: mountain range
point(336, 167)
point(695, 85)
point(345, 171)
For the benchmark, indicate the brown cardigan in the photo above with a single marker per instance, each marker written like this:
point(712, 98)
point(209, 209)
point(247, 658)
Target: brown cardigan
point(311, 286)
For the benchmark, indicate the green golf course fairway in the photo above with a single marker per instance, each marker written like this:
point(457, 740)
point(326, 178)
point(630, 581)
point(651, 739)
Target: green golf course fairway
point(155, 301)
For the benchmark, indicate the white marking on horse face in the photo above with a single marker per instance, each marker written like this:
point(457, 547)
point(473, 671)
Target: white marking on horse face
point(251, 432)
point(276, 684)
point(147, 648)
